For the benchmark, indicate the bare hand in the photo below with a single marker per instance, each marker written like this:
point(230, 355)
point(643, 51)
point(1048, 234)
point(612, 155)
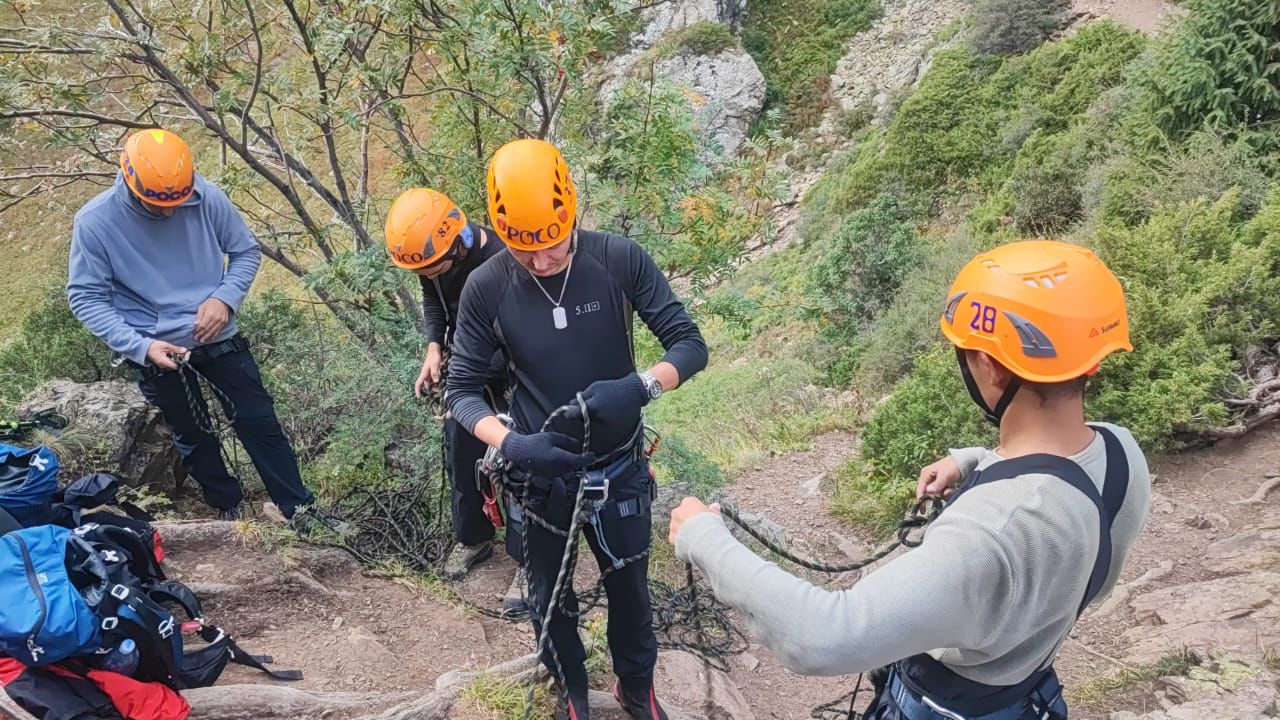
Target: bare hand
point(430, 374)
point(937, 478)
point(162, 354)
point(688, 508)
point(211, 317)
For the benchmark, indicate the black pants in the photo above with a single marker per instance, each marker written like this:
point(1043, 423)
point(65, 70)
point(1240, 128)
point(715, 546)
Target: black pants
point(470, 525)
point(235, 374)
point(632, 643)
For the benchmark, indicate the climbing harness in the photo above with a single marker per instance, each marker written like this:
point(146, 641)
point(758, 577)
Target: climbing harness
point(922, 688)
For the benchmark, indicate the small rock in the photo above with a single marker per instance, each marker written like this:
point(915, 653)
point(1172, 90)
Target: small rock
point(337, 622)
point(748, 662)
point(272, 513)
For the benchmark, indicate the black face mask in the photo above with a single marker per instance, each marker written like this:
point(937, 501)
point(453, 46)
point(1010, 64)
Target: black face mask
point(993, 416)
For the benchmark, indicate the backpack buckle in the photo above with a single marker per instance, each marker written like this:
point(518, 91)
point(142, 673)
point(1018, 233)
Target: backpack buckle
point(120, 592)
point(110, 623)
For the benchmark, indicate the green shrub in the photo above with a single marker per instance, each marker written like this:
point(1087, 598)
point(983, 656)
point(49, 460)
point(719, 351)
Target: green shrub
point(1205, 167)
point(1012, 27)
point(863, 264)
point(348, 408)
point(797, 44)
point(1218, 69)
point(51, 343)
point(690, 470)
point(945, 130)
point(928, 413)
point(705, 37)
point(1045, 187)
point(1202, 287)
point(908, 327)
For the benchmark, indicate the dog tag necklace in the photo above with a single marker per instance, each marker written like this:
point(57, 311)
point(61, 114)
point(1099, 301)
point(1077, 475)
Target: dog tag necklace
point(559, 317)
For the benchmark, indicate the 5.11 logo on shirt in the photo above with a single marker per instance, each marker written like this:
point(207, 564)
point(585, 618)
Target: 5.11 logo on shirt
point(585, 308)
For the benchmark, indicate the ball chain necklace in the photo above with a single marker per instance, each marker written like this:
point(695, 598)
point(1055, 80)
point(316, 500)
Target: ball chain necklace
point(558, 315)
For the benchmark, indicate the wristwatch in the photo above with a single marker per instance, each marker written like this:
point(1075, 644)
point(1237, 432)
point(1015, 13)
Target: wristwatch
point(651, 385)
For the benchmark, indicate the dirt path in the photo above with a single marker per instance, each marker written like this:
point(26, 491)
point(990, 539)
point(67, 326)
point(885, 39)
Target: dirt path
point(792, 490)
point(313, 609)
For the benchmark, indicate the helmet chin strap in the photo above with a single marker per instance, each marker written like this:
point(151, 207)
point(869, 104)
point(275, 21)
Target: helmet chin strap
point(993, 416)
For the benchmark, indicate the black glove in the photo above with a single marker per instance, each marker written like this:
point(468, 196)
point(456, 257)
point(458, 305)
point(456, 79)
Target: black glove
point(614, 404)
point(545, 454)
point(614, 409)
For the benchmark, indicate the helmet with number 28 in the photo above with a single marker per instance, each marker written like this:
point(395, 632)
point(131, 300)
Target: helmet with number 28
point(1048, 311)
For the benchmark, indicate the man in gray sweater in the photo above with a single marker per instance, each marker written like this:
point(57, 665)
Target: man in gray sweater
point(968, 623)
point(159, 265)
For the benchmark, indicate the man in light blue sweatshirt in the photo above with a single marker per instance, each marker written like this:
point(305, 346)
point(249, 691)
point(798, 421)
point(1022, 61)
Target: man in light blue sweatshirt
point(159, 265)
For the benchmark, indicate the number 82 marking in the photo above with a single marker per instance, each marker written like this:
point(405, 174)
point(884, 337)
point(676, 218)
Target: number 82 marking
point(984, 313)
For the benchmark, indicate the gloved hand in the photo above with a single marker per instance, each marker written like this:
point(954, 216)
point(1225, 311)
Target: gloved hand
point(614, 404)
point(545, 454)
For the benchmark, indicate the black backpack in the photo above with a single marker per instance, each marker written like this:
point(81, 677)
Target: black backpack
point(122, 582)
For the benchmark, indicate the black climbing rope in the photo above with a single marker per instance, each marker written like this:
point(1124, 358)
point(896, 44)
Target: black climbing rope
point(208, 421)
point(924, 513)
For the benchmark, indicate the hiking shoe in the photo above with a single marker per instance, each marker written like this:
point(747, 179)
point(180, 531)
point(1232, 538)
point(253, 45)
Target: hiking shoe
point(642, 706)
point(312, 520)
point(572, 705)
point(514, 603)
point(233, 514)
point(465, 557)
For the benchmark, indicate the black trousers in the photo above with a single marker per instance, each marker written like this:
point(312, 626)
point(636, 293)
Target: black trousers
point(235, 374)
point(632, 643)
point(470, 526)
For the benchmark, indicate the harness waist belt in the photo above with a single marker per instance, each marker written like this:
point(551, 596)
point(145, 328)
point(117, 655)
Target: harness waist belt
point(1041, 699)
point(633, 449)
point(202, 354)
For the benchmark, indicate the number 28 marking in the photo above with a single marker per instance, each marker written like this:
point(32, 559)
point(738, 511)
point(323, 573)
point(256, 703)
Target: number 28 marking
point(984, 313)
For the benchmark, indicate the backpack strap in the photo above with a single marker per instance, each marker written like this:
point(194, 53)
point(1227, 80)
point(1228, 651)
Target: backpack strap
point(157, 629)
point(259, 662)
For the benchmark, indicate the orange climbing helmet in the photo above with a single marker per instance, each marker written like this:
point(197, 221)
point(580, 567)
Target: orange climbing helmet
point(421, 227)
point(532, 199)
point(1048, 311)
point(158, 167)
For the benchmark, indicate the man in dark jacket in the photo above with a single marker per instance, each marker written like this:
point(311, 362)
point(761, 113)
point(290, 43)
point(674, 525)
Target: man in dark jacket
point(428, 235)
point(560, 308)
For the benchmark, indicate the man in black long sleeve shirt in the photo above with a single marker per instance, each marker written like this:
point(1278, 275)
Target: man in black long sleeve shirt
point(559, 307)
point(428, 235)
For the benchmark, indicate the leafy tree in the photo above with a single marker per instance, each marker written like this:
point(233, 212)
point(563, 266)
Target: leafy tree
point(302, 103)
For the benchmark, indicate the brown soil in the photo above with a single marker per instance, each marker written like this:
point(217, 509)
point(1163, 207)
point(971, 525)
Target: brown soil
point(314, 610)
point(791, 490)
point(1144, 15)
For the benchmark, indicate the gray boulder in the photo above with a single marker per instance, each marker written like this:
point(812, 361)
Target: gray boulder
point(725, 87)
point(728, 92)
point(113, 429)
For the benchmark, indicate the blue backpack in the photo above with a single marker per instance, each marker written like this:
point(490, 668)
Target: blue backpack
point(43, 618)
point(28, 481)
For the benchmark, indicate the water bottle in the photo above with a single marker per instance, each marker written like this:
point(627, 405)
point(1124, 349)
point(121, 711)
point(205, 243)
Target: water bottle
point(122, 659)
